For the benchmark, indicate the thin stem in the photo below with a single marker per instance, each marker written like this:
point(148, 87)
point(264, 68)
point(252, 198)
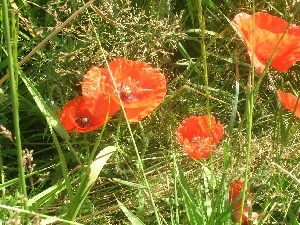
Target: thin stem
point(101, 15)
point(97, 143)
point(14, 93)
point(250, 95)
point(205, 72)
point(63, 164)
point(287, 172)
point(204, 57)
point(249, 114)
point(54, 218)
point(2, 177)
point(236, 97)
point(74, 153)
point(141, 167)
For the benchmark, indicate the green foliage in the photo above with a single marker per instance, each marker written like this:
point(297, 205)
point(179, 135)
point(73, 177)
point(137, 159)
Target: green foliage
point(148, 180)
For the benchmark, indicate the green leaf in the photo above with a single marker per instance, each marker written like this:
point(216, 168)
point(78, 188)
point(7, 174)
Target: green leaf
point(49, 115)
point(54, 219)
point(192, 212)
point(131, 217)
point(98, 164)
point(88, 180)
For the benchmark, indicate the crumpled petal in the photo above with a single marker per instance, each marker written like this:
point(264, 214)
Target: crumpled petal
point(262, 32)
point(95, 93)
point(236, 188)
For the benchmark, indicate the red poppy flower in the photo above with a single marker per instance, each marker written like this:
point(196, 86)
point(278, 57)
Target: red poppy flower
point(262, 32)
point(75, 116)
point(236, 188)
point(289, 102)
point(197, 138)
point(141, 88)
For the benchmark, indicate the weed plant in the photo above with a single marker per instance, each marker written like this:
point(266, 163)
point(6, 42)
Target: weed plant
point(51, 177)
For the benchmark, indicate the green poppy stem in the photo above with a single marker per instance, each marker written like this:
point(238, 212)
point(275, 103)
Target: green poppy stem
point(250, 100)
point(139, 159)
point(205, 72)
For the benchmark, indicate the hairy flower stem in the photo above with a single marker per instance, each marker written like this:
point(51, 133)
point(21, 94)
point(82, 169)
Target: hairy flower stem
point(250, 95)
point(249, 115)
point(13, 71)
point(140, 162)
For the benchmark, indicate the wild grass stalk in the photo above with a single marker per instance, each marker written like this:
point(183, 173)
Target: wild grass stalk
point(11, 43)
point(2, 178)
point(27, 212)
point(249, 123)
point(250, 95)
point(209, 189)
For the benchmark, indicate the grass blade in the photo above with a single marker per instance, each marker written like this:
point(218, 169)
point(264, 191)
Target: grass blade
point(132, 218)
point(88, 181)
point(49, 115)
point(192, 212)
point(13, 71)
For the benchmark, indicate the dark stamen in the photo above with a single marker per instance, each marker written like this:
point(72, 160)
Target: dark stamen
point(125, 91)
point(83, 121)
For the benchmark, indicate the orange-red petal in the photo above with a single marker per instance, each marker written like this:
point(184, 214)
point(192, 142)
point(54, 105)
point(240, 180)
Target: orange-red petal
point(262, 32)
point(98, 102)
point(197, 137)
point(289, 102)
point(147, 87)
point(236, 188)
point(75, 117)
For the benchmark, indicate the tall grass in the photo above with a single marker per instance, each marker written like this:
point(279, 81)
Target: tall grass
point(146, 178)
point(11, 35)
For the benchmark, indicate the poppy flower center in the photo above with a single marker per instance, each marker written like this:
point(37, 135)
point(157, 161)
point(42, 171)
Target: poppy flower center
point(199, 140)
point(125, 91)
point(83, 121)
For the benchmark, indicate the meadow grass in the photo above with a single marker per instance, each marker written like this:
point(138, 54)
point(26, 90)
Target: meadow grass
point(146, 177)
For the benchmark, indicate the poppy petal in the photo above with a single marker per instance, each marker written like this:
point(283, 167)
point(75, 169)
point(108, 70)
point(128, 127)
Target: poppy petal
point(197, 138)
point(141, 87)
point(289, 102)
point(262, 32)
point(94, 87)
point(236, 188)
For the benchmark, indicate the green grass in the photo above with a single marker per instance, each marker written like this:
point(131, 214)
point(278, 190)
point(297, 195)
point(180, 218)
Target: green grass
point(149, 179)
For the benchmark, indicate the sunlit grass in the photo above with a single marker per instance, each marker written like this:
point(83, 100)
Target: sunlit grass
point(204, 62)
